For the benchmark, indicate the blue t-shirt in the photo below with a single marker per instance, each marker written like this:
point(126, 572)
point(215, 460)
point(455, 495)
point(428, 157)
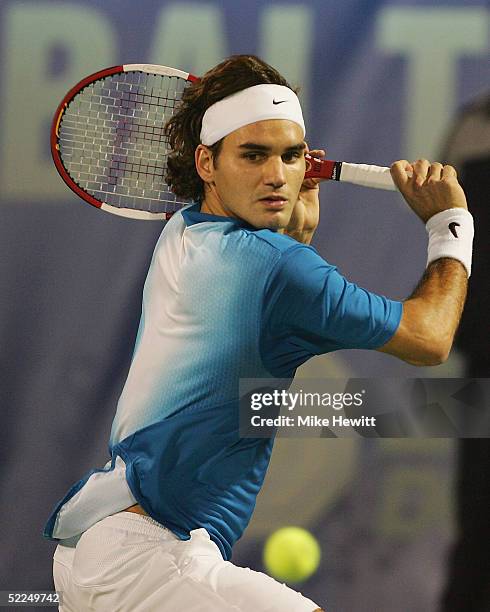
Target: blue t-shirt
point(222, 301)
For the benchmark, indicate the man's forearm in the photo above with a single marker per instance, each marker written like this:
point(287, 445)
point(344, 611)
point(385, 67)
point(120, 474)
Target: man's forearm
point(443, 286)
point(431, 315)
point(437, 304)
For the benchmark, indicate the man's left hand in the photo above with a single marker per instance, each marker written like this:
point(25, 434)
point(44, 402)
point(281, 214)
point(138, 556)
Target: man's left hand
point(306, 212)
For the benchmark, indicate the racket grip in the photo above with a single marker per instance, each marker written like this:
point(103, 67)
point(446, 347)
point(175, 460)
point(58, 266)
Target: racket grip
point(378, 177)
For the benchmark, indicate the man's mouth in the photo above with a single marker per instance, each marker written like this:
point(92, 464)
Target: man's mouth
point(274, 201)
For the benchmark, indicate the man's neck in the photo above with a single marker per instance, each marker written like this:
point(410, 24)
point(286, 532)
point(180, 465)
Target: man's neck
point(212, 207)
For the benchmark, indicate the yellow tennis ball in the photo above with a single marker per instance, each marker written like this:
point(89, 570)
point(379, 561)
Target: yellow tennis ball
point(291, 554)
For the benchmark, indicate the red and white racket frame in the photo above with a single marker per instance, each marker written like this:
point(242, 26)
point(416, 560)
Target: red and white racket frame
point(55, 150)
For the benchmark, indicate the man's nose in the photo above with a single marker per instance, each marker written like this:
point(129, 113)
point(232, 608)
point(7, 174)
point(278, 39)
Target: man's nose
point(274, 173)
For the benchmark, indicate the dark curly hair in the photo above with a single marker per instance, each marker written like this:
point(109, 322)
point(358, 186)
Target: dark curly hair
point(183, 129)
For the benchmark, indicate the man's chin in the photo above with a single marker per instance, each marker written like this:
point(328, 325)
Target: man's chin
point(274, 227)
point(277, 221)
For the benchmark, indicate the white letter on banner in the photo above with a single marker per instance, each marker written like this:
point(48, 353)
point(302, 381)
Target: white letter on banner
point(433, 39)
point(279, 25)
point(190, 37)
point(33, 33)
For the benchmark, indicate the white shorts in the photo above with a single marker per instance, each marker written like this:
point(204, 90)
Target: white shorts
point(130, 563)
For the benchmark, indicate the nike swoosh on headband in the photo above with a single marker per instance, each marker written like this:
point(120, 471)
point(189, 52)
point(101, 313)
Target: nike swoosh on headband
point(278, 101)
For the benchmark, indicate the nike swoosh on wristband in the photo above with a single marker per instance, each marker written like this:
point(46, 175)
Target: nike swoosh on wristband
point(278, 101)
point(452, 228)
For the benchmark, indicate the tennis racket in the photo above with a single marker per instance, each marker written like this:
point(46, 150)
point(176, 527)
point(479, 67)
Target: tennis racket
point(109, 146)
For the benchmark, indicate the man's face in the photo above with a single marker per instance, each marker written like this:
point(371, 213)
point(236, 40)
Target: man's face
point(259, 172)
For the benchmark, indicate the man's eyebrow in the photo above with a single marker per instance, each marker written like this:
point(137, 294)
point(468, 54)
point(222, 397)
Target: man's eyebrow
point(260, 147)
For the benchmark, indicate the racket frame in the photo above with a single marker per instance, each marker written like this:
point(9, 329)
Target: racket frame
point(54, 140)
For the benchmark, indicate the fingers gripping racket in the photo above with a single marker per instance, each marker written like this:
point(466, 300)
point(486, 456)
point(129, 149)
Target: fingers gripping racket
point(109, 146)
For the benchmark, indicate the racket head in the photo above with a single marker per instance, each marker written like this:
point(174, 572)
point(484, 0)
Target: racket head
point(108, 142)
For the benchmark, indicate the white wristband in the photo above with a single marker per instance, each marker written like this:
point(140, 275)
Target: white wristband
point(451, 235)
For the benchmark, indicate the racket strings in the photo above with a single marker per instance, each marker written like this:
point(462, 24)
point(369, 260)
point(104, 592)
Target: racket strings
point(112, 140)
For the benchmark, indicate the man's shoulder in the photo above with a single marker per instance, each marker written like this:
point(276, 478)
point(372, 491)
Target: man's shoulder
point(238, 241)
point(291, 260)
point(282, 243)
point(280, 250)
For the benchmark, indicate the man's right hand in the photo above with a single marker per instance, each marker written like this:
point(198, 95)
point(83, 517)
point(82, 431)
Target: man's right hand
point(428, 188)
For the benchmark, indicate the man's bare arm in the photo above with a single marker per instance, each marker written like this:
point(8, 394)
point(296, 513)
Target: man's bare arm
point(432, 313)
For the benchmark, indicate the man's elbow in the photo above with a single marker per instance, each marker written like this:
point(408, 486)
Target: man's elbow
point(434, 353)
point(436, 358)
point(420, 346)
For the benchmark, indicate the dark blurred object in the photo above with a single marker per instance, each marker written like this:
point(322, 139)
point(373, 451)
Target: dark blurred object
point(468, 581)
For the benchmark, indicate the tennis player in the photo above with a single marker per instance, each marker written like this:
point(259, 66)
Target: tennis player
point(234, 290)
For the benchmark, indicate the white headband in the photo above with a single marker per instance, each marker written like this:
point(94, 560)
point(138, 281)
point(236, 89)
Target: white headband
point(253, 104)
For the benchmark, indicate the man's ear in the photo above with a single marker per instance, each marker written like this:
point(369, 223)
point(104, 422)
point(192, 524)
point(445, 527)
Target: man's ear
point(204, 163)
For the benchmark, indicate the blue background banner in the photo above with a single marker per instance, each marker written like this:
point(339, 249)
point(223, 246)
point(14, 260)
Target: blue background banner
point(380, 81)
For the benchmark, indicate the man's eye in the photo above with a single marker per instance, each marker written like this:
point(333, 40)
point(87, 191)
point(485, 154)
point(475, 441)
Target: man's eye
point(291, 156)
point(253, 156)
